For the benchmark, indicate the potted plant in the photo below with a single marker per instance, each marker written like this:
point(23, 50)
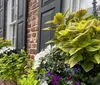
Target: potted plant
point(77, 39)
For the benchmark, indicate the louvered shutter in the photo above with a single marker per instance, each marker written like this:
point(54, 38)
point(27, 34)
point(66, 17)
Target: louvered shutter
point(21, 24)
point(2, 18)
point(47, 10)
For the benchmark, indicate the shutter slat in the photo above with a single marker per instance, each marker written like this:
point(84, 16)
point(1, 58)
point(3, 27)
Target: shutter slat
point(2, 18)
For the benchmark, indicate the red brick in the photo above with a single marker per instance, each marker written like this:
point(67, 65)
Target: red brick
point(33, 34)
point(29, 35)
point(33, 29)
point(28, 30)
point(34, 45)
point(32, 21)
point(29, 25)
point(29, 46)
point(33, 51)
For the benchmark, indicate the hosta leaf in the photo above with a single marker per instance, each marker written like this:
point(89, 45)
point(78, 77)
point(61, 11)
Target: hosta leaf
point(87, 66)
point(94, 46)
point(81, 13)
point(97, 57)
point(75, 59)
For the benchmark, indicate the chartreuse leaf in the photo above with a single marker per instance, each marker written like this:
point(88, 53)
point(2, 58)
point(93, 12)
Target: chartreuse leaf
point(66, 12)
point(82, 40)
point(75, 59)
point(49, 28)
point(49, 22)
point(87, 66)
point(97, 57)
point(61, 27)
point(74, 50)
point(58, 18)
point(79, 14)
point(50, 41)
point(94, 46)
point(65, 46)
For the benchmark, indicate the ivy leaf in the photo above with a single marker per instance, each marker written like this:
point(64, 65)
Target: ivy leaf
point(75, 59)
point(97, 57)
point(79, 14)
point(87, 66)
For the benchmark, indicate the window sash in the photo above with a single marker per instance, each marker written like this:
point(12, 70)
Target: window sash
point(14, 11)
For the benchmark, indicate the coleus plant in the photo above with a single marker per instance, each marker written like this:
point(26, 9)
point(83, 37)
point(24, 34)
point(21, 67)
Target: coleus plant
point(78, 36)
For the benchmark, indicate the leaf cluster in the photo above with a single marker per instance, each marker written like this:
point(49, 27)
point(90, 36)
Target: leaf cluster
point(28, 79)
point(4, 43)
point(79, 36)
point(12, 66)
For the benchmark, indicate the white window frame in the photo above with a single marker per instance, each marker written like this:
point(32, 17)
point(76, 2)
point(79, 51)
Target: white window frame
point(11, 32)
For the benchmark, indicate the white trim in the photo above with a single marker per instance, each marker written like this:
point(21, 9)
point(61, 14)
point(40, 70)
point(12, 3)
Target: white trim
point(10, 34)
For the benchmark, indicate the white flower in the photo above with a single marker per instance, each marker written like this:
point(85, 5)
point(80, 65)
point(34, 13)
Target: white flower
point(6, 49)
point(42, 54)
point(44, 83)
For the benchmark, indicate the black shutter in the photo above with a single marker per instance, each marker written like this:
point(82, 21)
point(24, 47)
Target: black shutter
point(2, 18)
point(48, 8)
point(21, 24)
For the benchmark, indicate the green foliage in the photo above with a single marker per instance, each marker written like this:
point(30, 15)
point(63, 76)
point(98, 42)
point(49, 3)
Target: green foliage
point(4, 43)
point(28, 79)
point(79, 36)
point(13, 65)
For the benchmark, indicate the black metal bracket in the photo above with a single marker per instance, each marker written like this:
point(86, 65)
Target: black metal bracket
point(95, 8)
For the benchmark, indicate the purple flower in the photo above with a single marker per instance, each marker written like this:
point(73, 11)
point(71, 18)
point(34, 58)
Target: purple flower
point(49, 73)
point(77, 83)
point(55, 79)
point(75, 70)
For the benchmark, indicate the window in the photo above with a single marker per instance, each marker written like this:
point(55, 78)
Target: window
point(75, 5)
point(11, 21)
point(14, 10)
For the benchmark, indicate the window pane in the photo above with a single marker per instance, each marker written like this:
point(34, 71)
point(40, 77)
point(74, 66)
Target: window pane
point(1, 2)
point(13, 15)
point(14, 35)
point(86, 3)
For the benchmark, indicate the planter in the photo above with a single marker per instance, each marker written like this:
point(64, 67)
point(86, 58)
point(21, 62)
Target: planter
point(5, 82)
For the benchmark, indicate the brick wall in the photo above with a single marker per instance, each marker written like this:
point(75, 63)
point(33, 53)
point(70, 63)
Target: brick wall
point(32, 27)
